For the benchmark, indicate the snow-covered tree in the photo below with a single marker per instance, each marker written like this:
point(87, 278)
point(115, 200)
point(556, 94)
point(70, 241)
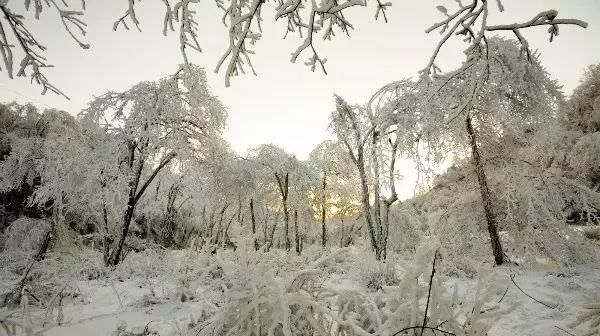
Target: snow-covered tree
point(155, 122)
point(282, 174)
point(337, 183)
point(583, 111)
point(373, 144)
point(500, 95)
point(476, 80)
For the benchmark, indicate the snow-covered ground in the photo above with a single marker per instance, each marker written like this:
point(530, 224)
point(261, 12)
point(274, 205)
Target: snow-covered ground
point(133, 301)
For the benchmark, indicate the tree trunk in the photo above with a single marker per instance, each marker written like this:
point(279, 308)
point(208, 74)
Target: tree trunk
point(485, 195)
point(323, 209)
point(43, 249)
point(240, 218)
point(341, 231)
point(377, 202)
point(134, 197)
point(366, 206)
point(386, 227)
point(286, 221)
point(220, 233)
point(253, 219)
point(168, 231)
point(270, 243)
point(284, 190)
point(116, 255)
point(107, 239)
point(297, 235)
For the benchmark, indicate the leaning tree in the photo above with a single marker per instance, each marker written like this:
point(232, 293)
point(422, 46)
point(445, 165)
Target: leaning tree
point(490, 82)
point(156, 124)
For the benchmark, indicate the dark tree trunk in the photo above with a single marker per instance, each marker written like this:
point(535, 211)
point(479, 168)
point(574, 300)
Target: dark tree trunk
point(284, 190)
point(43, 249)
point(486, 198)
point(253, 219)
point(107, 239)
point(323, 211)
point(271, 239)
point(134, 197)
point(220, 233)
point(116, 255)
point(341, 231)
point(297, 235)
point(366, 207)
point(168, 232)
point(379, 238)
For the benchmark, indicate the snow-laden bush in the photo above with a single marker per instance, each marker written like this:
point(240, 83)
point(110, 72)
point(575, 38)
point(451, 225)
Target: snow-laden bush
point(406, 229)
point(175, 274)
point(374, 274)
point(68, 266)
point(26, 234)
point(583, 110)
point(257, 301)
point(592, 233)
point(584, 158)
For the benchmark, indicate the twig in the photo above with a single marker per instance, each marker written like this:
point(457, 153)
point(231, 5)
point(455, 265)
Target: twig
point(423, 326)
point(512, 278)
point(34, 297)
point(559, 328)
point(503, 295)
point(14, 296)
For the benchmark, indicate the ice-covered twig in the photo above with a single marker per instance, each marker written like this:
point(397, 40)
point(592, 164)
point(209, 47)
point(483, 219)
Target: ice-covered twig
point(471, 21)
point(34, 61)
point(512, 278)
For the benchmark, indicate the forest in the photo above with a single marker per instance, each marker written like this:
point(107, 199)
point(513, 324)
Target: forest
point(136, 217)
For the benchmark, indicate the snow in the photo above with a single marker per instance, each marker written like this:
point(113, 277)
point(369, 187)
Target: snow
point(132, 301)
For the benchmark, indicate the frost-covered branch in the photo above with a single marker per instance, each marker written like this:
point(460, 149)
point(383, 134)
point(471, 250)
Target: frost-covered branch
point(129, 14)
point(241, 15)
point(33, 60)
point(243, 19)
point(471, 21)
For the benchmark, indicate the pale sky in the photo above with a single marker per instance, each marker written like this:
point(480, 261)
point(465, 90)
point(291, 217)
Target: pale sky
point(285, 104)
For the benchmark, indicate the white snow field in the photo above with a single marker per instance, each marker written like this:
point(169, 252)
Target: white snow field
point(185, 292)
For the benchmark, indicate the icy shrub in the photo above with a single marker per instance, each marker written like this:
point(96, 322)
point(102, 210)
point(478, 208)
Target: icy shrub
point(122, 330)
point(259, 302)
point(84, 264)
point(592, 232)
point(25, 235)
point(584, 158)
point(374, 274)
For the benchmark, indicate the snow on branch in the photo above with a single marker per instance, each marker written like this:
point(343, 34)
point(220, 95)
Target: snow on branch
point(243, 19)
point(33, 60)
point(471, 21)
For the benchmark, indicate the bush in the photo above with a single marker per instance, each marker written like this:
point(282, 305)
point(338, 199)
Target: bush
point(25, 235)
point(592, 233)
point(258, 302)
point(374, 274)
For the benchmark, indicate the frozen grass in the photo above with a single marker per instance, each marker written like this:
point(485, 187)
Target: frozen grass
point(339, 291)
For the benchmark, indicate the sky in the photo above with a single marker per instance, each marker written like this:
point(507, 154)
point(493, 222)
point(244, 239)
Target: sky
point(286, 104)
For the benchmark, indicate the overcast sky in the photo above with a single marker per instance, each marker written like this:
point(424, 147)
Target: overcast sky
point(286, 104)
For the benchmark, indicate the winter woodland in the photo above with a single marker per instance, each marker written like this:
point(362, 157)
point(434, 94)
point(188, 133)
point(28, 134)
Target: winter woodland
point(134, 216)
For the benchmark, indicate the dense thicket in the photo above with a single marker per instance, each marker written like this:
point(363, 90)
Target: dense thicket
point(76, 175)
